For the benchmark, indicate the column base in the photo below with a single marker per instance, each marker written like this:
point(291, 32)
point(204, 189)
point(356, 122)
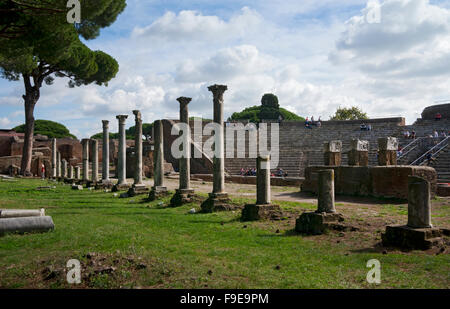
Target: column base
point(137, 190)
point(181, 197)
point(252, 212)
point(120, 187)
point(104, 184)
point(218, 202)
point(409, 238)
point(318, 223)
point(157, 193)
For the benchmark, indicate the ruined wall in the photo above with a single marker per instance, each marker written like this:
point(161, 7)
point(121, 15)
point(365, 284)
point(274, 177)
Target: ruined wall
point(380, 181)
point(430, 112)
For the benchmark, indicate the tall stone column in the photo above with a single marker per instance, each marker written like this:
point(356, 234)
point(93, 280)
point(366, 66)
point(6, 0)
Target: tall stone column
point(184, 194)
point(359, 153)
point(326, 192)
point(122, 164)
point(63, 168)
point(58, 164)
point(138, 186)
point(387, 151)
point(138, 148)
point(94, 145)
point(263, 208)
point(85, 158)
point(77, 173)
point(70, 172)
point(218, 200)
point(326, 217)
point(158, 189)
point(54, 150)
point(419, 233)
point(105, 152)
point(333, 153)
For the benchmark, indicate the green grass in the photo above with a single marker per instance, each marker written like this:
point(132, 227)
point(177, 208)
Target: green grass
point(185, 250)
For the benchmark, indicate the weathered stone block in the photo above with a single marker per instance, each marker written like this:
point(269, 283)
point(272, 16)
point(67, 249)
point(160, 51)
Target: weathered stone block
point(358, 158)
point(218, 202)
point(359, 145)
point(332, 158)
point(388, 143)
point(137, 190)
point(333, 146)
point(157, 193)
point(252, 212)
point(318, 223)
point(26, 225)
point(387, 157)
point(181, 197)
point(410, 238)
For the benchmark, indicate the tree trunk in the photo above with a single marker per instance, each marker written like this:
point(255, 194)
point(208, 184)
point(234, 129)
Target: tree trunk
point(31, 97)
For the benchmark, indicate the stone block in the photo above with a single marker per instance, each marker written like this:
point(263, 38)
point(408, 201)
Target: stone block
point(388, 143)
point(26, 225)
point(218, 202)
point(359, 145)
point(157, 193)
point(333, 146)
point(409, 238)
point(252, 212)
point(138, 190)
point(181, 197)
point(318, 223)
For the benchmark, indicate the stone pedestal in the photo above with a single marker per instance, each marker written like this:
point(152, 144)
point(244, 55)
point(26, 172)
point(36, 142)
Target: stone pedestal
point(181, 197)
point(157, 193)
point(319, 223)
point(387, 151)
point(359, 153)
point(419, 232)
point(333, 153)
point(218, 200)
point(138, 190)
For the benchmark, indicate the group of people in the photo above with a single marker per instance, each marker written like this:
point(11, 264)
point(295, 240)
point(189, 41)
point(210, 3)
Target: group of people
point(411, 135)
point(436, 134)
point(310, 123)
point(252, 172)
point(365, 127)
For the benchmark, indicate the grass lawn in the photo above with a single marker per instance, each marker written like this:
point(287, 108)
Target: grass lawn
point(132, 243)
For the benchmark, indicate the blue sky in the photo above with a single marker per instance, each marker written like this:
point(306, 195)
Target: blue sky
point(314, 55)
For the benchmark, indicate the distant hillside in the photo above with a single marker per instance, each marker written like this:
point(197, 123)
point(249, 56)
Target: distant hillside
point(252, 114)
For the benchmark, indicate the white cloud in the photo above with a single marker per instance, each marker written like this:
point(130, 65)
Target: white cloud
point(4, 122)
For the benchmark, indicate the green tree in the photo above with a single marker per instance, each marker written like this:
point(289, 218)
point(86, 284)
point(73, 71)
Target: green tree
point(270, 109)
point(352, 113)
point(38, 44)
point(252, 114)
point(49, 128)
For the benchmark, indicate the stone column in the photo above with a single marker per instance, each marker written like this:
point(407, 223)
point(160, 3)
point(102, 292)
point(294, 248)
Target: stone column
point(158, 189)
point(326, 192)
point(419, 203)
point(263, 180)
point(70, 172)
point(359, 153)
point(387, 151)
point(219, 158)
point(77, 173)
point(138, 148)
point(58, 164)
point(325, 218)
point(122, 164)
point(333, 153)
point(185, 162)
point(263, 208)
point(94, 145)
point(105, 152)
point(54, 150)
point(184, 194)
point(85, 157)
point(63, 168)
point(218, 199)
point(419, 233)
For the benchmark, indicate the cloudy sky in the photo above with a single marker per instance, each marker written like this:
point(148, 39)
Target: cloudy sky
point(391, 58)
